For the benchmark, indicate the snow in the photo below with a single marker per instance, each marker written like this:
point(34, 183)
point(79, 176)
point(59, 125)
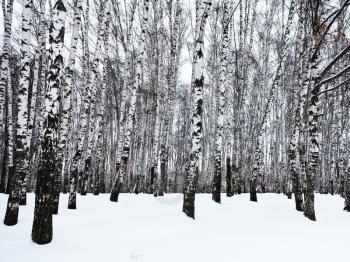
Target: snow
point(143, 228)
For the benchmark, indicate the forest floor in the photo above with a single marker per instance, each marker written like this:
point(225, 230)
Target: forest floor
point(143, 228)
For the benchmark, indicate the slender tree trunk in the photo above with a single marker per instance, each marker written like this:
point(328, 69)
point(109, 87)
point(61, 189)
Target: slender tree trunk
point(76, 181)
point(293, 158)
point(229, 178)
point(5, 84)
point(100, 119)
point(18, 181)
point(202, 10)
point(66, 101)
point(42, 224)
point(168, 122)
point(216, 190)
point(130, 118)
point(258, 158)
point(347, 189)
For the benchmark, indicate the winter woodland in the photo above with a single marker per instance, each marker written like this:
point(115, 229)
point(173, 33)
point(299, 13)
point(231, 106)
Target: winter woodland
point(224, 97)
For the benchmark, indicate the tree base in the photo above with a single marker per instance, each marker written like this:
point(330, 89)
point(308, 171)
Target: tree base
point(216, 197)
point(72, 201)
point(310, 216)
point(55, 209)
point(42, 233)
point(42, 225)
point(347, 208)
point(253, 197)
point(55, 204)
point(23, 200)
point(114, 196)
point(188, 205)
point(299, 205)
point(309, 212)
point(11, 216)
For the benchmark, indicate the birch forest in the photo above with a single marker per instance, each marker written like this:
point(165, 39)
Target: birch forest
point(162, 98)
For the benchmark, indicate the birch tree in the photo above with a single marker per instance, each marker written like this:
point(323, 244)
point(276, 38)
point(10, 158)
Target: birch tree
point(218, 155)
point(42, 224)
point(18, 181)
point(66, 101)
point(130, 115)
point(202, 11)
point(6, 153)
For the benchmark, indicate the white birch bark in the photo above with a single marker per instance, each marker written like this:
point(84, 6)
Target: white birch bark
point(258, 157)
point(66, 100)
point(42, 224)
point(18, 187)
point(168, 122)
point(101, 111)
point(130, 115)
point(5, 82)
point(202, 10)
point(221, 93)
point(104, 14)
point(5, 85)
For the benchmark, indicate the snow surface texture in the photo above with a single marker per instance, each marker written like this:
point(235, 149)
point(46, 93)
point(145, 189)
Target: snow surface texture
point(143, 228)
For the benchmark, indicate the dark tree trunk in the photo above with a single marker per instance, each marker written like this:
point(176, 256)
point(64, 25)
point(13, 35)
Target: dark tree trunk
point(96, 189)
point(4, 178)
point(162, 181)
point(56, 192)
point(42, 224)
point(347, 190)
point(10, 179)
point(229, 178)
point(137, 185)
point(11, 216)
point(151, 182)
point(115, 192)
point(72, 199)
point(188, 206)
point(216, 192)
point(253, 196)
point(23, 194)
point(83, 183)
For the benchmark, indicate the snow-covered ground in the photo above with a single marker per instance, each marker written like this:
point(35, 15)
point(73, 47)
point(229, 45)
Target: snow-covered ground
point(144, 228)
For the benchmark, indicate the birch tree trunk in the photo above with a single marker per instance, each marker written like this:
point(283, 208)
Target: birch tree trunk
point(90, 135)
point(294, 143)
point(218, 154)
point(39, 115)
point(312, 134)
point(202, 10)
point(66, 101)
point(168, 123)
point(6, 154)
point(127, 78)
point(18, 181)
point(100, 119)
point(347, 189)
point(74, 168)
point(130, 116)
point(258, 157)
point(42, 224)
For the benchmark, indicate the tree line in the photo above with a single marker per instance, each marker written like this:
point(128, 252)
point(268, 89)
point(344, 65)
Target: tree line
point(93, 100)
